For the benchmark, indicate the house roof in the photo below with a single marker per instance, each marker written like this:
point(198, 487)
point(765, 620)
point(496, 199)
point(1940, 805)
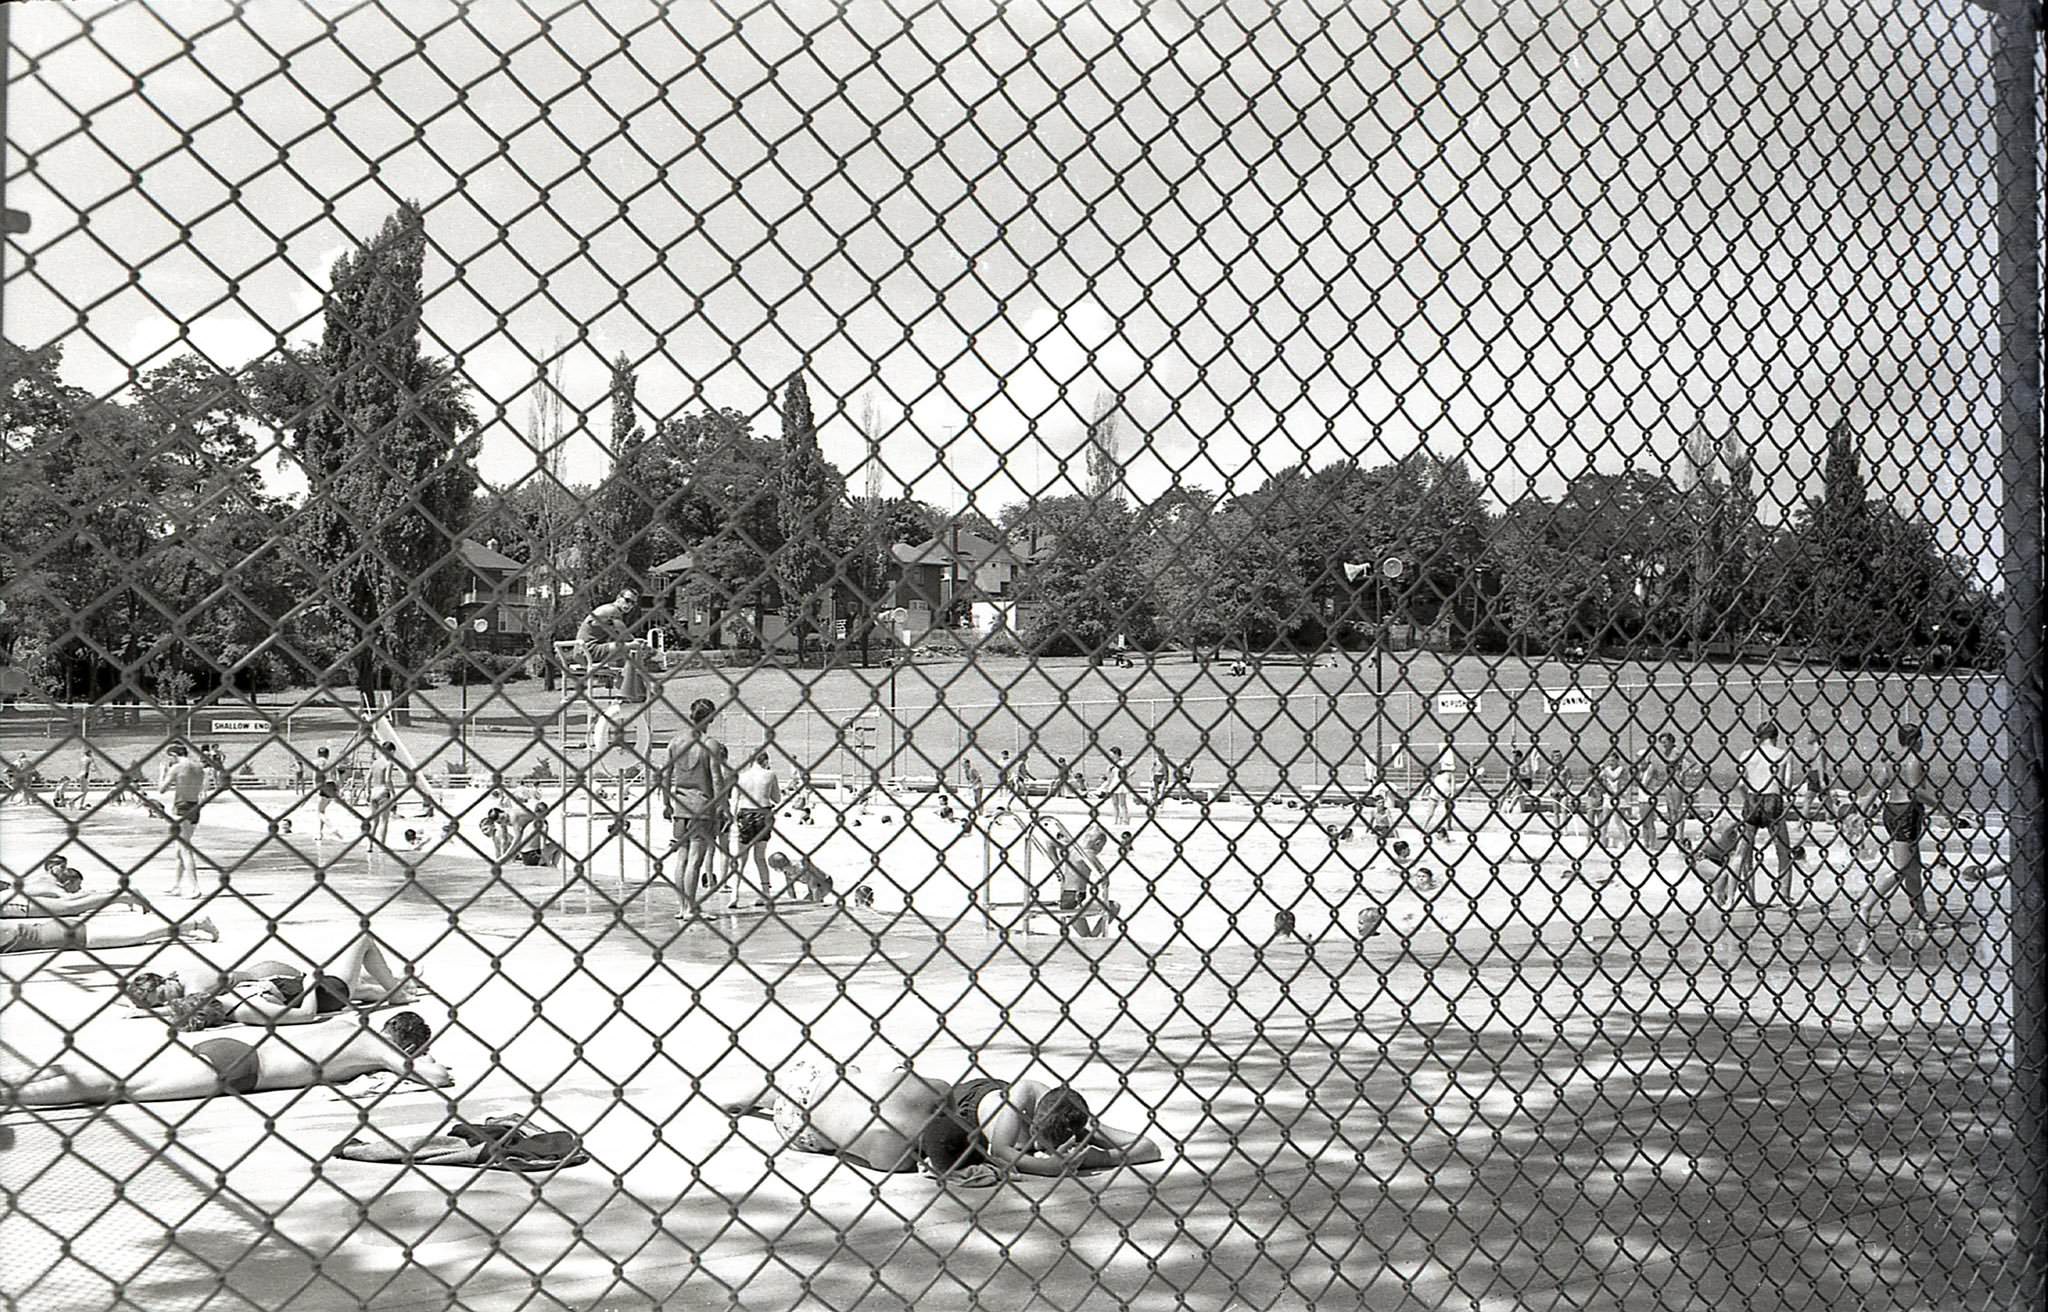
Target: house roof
point(480, 557)
point(957, 546)
point(682, 564)
point(925, 553)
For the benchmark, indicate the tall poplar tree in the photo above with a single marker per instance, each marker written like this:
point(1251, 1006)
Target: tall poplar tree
point(383, 433)
point(805, 494)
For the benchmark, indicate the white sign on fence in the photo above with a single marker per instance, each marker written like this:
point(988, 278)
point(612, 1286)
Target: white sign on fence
point(1571, 702)
point(1455, 703)
point(240, 726)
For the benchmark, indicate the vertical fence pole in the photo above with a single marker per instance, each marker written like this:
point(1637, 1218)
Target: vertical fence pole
point(2019, 332)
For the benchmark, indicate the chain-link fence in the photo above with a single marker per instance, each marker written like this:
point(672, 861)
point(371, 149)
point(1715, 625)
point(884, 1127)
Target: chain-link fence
point(1343, 655)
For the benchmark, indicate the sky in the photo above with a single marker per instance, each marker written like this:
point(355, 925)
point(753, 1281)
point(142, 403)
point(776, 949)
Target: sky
point(1541, 234)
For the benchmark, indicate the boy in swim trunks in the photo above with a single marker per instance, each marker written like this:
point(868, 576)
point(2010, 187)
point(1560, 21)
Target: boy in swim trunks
point(695, 781)
point(384, 790)
point(1907, 799)
point(326, 791)
point(183, 786)
point(874, 1118)
point(756, 794)
point(1764, 811)
point(1025, 1127)
point(805, 879)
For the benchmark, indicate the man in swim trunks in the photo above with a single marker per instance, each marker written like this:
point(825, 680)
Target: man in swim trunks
point(49, 935)
point(1024, 1127)
point(183, 787)
point(1764, 812)
point(385, 786)
point(874, 1118)
point(330, 1054)
point(605, 634)
point(1907, 799)
point(696, 781)
point(326, 789)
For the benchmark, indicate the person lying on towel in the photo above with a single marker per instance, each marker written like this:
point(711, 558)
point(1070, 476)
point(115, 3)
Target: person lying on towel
point(331, 1054)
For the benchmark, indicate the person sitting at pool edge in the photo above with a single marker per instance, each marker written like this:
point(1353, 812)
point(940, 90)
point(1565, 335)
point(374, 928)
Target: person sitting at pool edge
point(804, 878)
point(1025, 1127)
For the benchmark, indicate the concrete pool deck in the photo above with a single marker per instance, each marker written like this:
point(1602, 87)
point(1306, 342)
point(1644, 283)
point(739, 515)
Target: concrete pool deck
point(1513, 1111)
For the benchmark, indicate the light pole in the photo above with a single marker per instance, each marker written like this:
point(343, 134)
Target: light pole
point(462, 676)
point(1391, 570)
point(2016, 106)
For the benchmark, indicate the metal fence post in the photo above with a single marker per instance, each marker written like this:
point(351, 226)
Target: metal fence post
point(2017, 106)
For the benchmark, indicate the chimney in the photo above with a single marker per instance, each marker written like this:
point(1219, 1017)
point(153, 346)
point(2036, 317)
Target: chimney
point(492, 544)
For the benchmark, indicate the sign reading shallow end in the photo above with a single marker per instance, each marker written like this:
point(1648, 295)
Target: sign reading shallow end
point(240, 726)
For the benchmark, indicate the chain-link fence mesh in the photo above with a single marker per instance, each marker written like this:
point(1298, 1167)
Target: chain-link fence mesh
point(637, 640)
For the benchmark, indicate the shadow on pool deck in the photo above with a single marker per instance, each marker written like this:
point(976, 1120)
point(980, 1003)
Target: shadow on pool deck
point(1536, 1125)
point(1712, 1182)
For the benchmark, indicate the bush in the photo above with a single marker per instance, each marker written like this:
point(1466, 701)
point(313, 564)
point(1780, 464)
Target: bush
point(480, 667)
point(1002, 642)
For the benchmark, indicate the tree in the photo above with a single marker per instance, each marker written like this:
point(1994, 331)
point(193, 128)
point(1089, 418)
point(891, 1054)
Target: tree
point(1540, 591)
point(1714, 477)
point(1089, 587)
point(863, 532)
point(139, 546)
point(718, 485)
point(382, 432)
point(1601, 566)
point(619, 536)
point(805, 496)
point(1861, 581)
point(1105, 463)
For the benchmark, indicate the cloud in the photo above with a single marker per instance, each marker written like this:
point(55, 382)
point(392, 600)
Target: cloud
point(1543, 233)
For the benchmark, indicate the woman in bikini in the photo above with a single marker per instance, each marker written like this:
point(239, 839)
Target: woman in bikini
point(270, 992)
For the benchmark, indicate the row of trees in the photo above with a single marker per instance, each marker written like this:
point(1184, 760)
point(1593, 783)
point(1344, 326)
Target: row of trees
point(1631, 561)
point(140, 545)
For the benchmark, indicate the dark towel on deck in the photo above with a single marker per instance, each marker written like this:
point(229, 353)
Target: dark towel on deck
point(500, 1143)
